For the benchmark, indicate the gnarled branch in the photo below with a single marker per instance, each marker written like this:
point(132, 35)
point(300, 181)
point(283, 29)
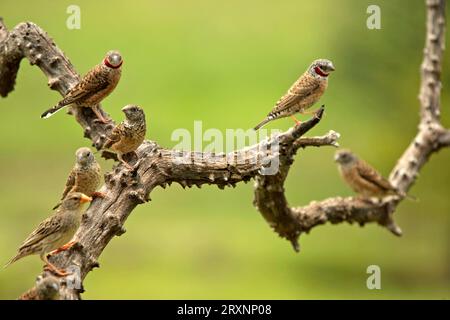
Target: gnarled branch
point(158, 166)
point(290, 222)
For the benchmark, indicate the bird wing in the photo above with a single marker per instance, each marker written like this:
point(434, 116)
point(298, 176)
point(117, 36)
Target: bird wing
point(90, 84)
point(46, 228)
point(71, 181)
point(299, 91)
point(372, 176)
point(115, 135)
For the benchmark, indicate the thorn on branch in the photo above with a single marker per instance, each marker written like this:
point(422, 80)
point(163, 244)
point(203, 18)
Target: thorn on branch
point(183, 183)
point(394, 229)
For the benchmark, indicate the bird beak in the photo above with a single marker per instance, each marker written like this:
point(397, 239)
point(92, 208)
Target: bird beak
point(336, 158)
point(85, 198)
point(331, 67)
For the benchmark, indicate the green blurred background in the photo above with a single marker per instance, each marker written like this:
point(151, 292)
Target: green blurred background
point(226, 63)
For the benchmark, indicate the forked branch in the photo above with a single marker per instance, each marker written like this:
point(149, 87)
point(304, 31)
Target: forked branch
point(159, 166)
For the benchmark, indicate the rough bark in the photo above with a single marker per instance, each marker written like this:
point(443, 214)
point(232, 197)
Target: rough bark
point(159, 166)
point(290, 222)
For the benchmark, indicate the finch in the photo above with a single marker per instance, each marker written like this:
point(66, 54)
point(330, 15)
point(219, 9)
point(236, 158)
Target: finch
point(54, 232)
point(304, 93)
point(85, 176)
point(362, 177)
point(95, 86)
point(127, 136)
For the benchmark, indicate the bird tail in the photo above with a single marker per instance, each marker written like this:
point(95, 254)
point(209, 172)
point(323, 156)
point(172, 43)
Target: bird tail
point(262, 123)
point(17, 257)
point(51, 111)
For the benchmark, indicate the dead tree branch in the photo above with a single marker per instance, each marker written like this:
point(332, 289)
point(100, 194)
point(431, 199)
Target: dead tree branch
point(290, 222)
point(124, 190)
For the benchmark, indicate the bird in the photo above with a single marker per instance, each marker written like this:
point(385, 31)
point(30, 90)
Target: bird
point(54, 233)
point(95, 86)
point(85, 176)
point(303, 94)
point(128, 135)
point(362, 177)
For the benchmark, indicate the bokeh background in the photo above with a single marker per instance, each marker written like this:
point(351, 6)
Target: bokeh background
point(225, 63)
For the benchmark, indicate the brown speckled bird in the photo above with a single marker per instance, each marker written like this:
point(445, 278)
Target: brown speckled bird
point(95, 86)
point(85, 176)
point(53, 234)
point(127, 136)
point(304, 93)
point(46, 288)
point(362, 177)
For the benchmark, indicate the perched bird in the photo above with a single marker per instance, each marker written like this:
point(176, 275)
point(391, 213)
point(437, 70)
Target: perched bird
point(304, 93)
point(52, 235)
point(95, 86)
point(127, 136)
point(85, 176)
point(362, 177)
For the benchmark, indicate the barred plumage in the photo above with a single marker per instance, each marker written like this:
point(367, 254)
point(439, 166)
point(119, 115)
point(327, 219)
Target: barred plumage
point(127, 136)
point(95, 86)
point(304, 93)
point(362, 177)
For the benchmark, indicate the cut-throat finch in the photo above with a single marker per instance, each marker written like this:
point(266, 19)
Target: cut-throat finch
point(95, 86)
point(55, 232)
point(303, 94)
